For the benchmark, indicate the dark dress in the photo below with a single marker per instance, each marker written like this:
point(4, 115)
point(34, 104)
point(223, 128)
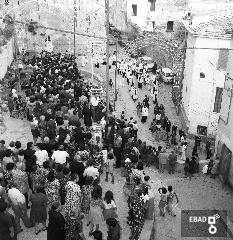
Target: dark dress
point(14, 226)
point(137, 221)
point(5, 224)
point(87, 116)
point(63, 181)
point(30, 159)
point(56, 226)
point(38, 212)
point(192, 166)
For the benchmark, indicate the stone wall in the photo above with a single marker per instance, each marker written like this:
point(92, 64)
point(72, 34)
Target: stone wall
point(59, 14)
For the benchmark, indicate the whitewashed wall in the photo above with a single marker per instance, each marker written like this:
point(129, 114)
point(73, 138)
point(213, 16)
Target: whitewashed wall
point(225, 130)
point(143, 9)
point(199, 99)
point(6, 57)
point(188, 75)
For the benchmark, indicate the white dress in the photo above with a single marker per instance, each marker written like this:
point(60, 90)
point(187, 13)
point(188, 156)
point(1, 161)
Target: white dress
point(135, 94)
point(183, 155)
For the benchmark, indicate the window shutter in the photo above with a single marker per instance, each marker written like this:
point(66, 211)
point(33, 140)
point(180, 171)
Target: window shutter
point(226, 99)
point(152, 6)
point(223, 59)
point(218, 99)
point(134, 6)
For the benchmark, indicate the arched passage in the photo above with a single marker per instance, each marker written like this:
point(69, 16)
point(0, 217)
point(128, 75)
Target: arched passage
point(160, 45)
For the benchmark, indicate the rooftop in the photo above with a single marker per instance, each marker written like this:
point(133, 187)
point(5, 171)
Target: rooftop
point(218, 24)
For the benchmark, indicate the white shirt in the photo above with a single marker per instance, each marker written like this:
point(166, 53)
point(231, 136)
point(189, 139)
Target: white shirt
point(95, 101)
point(105, 155)
point(20, 65)
point(60, 156)
point(205, 169)
point(158, 116)
point(145, 198)
point(16, 196)
point(140, 80)
point(145, 112)
point(91, 172)
point(103, 123)
point(109, 205)
point(41, 156)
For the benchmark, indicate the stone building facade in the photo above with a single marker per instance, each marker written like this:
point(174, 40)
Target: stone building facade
point(59, 15)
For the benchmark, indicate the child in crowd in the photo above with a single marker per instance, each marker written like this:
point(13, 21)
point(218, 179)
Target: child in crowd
point(97, 235)
point(114, 229)
point(95, 216)
point(109, 206)
point(109, 167)
point(170, 198)
point(163, 200)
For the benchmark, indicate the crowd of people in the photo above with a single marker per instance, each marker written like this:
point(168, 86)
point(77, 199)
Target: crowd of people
point(61, 171)
point(57, 176)
point(136, 74)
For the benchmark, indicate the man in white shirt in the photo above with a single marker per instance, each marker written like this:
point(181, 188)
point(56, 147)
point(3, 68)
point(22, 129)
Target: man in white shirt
point(95, 100)
point(18, 204)
point(60, 156)
point(91, 171)
point(41, 156)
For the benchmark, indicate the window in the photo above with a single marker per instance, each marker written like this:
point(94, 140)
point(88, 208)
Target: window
point(170, 26)
point(152, 6)
point(202, 75)
point(218, 100)
point(223, 59)
point(202, 130)
point(153, 24)
point(135, 9)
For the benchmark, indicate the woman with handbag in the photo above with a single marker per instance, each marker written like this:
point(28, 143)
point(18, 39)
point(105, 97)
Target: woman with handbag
point(109, 206)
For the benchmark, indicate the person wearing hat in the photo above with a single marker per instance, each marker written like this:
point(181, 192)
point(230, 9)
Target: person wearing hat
point(114, 229)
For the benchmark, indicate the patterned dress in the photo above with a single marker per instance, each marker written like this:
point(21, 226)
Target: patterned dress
point(39, 177)
point(52, 192)
point(63, 181)
point(86, 191)
point(8, 178)
point(73, 228)
point(137, 221)
point(73, 197)
point(43, 129)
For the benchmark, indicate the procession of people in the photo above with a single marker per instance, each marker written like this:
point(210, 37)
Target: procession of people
point(59, 175)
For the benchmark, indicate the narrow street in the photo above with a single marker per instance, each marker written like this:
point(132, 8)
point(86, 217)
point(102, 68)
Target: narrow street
point(193, 194)
point(191, 40)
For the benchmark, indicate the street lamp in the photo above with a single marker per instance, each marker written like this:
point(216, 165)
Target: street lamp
point(107, 58)
point(75, 21)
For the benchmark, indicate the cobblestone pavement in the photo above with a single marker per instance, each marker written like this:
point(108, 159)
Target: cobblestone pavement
point(193, 194)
